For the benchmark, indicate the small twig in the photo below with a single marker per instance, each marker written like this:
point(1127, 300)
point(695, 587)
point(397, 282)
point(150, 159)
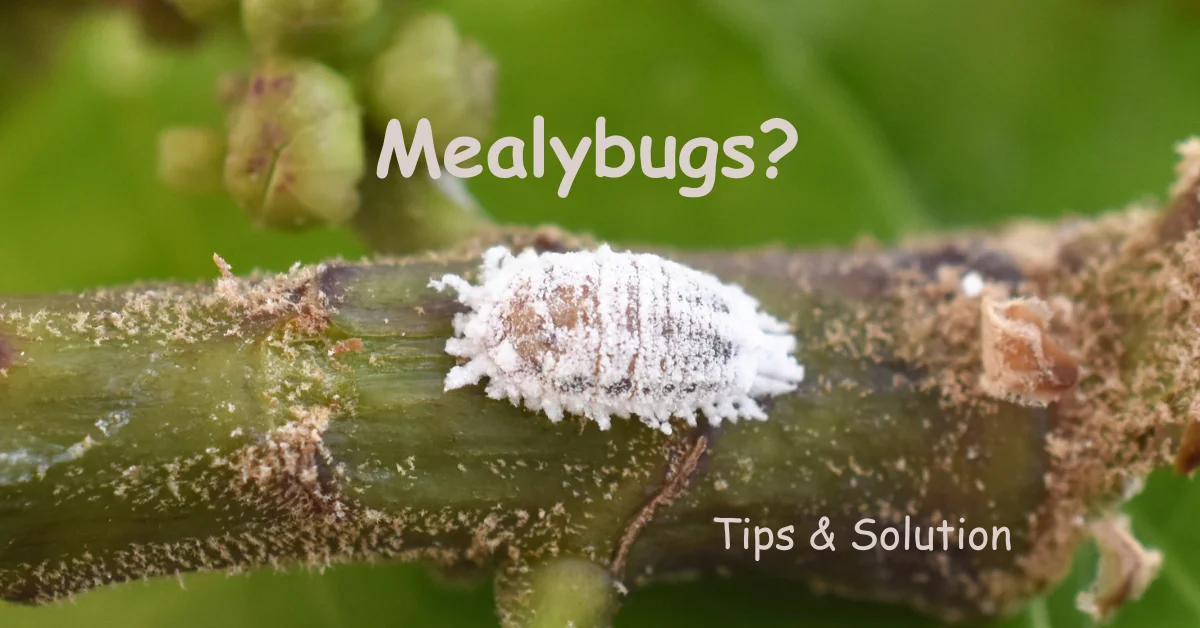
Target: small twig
point(673, 487)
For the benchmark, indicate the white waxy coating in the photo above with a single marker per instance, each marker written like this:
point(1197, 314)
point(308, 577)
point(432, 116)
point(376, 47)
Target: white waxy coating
point(604, 334)
point(971, 285)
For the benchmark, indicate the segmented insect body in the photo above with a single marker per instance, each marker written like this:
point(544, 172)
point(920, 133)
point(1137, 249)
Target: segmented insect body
point(601, 334)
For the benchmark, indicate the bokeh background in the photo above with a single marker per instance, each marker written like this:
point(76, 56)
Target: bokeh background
point(911, 116)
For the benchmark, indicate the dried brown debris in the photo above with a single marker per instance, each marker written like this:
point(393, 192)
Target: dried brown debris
point(1187, 458)
point(289, 462)
point(349, 345)
point(1126, 569)
point(1021, 362)
point(294, 296)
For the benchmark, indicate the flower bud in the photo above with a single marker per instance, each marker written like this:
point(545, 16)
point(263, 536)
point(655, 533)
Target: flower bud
point(190, 159)
point(122, 60)
point(295, 152)
point(429, 71)
point(302, 25)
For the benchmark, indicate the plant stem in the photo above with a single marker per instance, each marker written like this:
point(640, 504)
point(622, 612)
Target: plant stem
point(401, 215)
point(157, 429)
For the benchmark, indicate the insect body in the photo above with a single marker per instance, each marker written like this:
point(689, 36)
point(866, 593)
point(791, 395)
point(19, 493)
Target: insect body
point(604, 333)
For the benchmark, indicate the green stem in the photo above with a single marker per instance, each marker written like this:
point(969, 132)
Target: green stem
point(401, 215)
point(157, 429)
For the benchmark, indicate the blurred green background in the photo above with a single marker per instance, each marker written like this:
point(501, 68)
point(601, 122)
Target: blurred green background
point(911, 115)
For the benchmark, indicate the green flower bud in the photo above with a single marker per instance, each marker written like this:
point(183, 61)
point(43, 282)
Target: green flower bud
point(303, 25)
point(295, 146)
point(429, 71)
point(122, 61)
point(205, 11)
point(190, 159)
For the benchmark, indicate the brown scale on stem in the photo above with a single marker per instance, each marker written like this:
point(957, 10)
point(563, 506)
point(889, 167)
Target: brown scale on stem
point(1130, 281)
point(1188, 456)
point(1020, 359)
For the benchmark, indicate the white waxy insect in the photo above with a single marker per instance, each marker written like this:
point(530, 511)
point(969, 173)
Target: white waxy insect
point(602, 334)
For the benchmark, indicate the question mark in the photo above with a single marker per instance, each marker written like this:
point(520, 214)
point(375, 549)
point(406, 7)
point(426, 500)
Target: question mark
point(779, 124)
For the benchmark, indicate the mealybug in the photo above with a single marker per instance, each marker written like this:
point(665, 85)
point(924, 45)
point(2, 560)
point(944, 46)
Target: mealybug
point(604, 333)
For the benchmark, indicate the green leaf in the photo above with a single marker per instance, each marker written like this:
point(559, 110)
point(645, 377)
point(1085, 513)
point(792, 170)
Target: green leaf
point(659, 69)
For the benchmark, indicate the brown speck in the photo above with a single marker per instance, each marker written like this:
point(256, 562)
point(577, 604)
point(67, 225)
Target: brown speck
point(1020, 360)
point(546, 243)
point(256, 164)
point(282, 182)
point(346, 346)
point(258, 85)
point(283, 84)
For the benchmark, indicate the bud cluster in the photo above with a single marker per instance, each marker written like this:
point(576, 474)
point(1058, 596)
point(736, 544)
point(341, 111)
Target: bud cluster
point(296, 134)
